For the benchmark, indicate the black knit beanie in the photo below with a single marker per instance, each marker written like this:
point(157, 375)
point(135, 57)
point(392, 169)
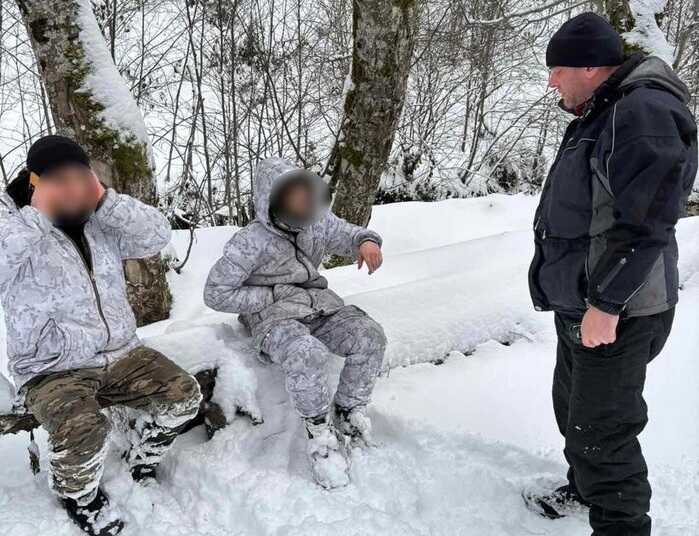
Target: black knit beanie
point(53, 151)
point(587, 40)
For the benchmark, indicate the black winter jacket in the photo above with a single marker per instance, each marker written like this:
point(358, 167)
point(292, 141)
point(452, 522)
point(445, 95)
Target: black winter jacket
point(605, 225)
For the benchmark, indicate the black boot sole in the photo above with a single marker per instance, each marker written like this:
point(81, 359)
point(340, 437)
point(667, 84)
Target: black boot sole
point(541, 508)
point(113, 529)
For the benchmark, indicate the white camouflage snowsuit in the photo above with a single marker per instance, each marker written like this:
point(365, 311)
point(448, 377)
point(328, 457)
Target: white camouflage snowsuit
point(270, 277)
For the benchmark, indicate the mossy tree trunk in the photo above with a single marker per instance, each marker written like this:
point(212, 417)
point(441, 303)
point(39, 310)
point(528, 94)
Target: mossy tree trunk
point(73, 60)
point(620, 15)
point(384, 38)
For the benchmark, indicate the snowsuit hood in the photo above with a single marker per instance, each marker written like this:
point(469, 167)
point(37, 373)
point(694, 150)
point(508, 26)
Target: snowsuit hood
point(271, 176)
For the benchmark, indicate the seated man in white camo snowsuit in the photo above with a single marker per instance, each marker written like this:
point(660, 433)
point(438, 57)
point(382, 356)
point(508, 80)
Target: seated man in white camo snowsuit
point(269, 275)
point(71, 334)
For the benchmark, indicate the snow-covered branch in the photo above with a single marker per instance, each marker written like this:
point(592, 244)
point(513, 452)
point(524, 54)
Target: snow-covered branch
point(646, 33)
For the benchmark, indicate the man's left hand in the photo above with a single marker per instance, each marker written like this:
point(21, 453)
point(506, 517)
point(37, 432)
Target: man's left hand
point(98, 190)
point(598, 328)
point(370, 253)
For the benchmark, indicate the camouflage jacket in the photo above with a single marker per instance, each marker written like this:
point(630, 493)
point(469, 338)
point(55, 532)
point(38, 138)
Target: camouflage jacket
point(267, 274)
point(60, 315)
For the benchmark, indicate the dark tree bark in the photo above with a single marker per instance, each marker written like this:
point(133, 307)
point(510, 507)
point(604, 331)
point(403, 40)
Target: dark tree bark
point(384, 37)
point(73, 59)
point(620, 15)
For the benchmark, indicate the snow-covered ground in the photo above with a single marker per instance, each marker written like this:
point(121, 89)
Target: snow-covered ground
point(463, 428)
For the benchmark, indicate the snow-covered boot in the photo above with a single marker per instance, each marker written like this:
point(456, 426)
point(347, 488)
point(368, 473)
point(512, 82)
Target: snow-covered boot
point(355, 424)
point(326, 453)
point(144, 474)
point(94, 518)
point(562, 502)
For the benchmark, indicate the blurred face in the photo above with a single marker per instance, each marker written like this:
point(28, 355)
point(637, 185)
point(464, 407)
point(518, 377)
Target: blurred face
point(576, 85)
point(298, 201)
point(72, 190)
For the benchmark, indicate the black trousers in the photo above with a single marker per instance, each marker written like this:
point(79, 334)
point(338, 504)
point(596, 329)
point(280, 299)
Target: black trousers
point(600, 410)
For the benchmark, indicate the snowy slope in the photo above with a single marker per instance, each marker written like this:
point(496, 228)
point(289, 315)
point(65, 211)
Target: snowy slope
point(459, 440)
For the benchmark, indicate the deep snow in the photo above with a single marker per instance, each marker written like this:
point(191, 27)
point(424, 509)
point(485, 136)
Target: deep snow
point(458, 440)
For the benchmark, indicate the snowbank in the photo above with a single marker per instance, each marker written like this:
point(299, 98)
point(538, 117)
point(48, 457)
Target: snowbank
point(215, 347)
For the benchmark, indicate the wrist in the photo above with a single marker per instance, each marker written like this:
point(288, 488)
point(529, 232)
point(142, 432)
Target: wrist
point(612, 309)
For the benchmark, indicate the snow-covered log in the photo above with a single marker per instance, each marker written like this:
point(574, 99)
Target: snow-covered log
point(384, 38)
point(91, 102)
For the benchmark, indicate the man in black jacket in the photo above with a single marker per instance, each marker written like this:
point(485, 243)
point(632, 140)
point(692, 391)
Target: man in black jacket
point(606, 261)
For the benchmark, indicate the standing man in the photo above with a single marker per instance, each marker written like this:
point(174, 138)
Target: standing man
point(71, 334)
point(606, 261)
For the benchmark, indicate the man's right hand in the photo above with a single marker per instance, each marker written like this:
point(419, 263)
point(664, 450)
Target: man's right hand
point(42, 198)
point(598, 328)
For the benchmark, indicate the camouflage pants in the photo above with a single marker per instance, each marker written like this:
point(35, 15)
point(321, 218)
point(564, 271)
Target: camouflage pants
point(69, 406)
point(303, 349)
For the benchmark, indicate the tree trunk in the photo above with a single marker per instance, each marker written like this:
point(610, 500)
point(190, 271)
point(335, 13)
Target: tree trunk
point(639, 22)
point(91, 103)
point(384, 37)
point(620, 15)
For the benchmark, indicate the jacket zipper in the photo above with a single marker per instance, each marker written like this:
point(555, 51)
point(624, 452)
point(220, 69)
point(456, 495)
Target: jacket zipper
point(611, 275)
point(635, 292)
point(298, 258)
point(297, 251)
point(566, 142)
point(587, 268)
point(536, 228)
point(91, 276)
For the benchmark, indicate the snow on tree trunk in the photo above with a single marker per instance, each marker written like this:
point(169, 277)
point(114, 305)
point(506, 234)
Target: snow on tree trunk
point(384, 36)
point(637, 21)
point(91, 102)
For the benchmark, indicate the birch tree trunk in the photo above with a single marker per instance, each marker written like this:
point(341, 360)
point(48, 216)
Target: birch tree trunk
point(384, 37)
point(91, 103)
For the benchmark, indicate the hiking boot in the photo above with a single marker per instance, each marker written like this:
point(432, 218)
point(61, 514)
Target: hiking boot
point(329, 463)
point(562, 502)
point(355, 424)
point(94, 518)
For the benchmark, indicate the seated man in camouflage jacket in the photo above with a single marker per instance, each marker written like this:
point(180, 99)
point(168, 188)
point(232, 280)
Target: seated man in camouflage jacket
point(71, 334)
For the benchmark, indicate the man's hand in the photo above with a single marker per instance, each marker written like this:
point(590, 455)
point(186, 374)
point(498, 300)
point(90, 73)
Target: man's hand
point(370, 253)
point(598, 328)
point(98, 190)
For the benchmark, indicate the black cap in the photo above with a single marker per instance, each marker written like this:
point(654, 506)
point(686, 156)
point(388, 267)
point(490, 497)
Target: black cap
point(53, 151)
point(587, 40)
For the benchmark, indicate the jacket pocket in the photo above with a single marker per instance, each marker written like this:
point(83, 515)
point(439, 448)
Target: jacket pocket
point(52, 346)
point(561, 276)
